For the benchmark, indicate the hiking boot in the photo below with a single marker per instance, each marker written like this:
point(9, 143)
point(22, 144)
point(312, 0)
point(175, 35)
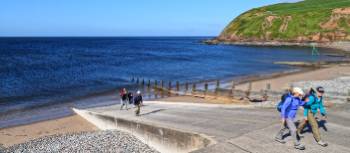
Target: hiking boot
point(280, 140)
point(323, 144)
point(299, 146)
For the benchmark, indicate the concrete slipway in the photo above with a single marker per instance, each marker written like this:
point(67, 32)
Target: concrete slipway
point(208, 128)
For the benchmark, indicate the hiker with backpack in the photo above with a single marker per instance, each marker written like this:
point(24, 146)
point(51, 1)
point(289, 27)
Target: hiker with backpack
point(314, 102)
point(288, 110)
point(138, 102)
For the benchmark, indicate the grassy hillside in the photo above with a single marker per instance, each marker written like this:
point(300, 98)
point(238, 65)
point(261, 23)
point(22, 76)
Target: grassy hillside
point(309, 20)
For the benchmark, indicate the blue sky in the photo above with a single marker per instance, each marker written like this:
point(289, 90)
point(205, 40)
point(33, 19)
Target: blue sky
point(120, 17)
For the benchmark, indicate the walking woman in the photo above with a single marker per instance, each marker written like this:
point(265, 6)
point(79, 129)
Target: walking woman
point(288, 113)
point(314, 102)
point(124, 99)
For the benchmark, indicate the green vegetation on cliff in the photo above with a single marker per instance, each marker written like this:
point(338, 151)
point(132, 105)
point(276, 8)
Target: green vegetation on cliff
point(304, 21)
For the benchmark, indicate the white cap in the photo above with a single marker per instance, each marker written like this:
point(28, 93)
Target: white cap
point(298, 90)
point(138, 92)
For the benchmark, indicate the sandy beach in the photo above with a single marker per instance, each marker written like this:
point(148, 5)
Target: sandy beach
point(283, 82)
point(65, 125)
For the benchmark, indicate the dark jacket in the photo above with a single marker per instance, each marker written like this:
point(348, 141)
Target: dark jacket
point(138, 100)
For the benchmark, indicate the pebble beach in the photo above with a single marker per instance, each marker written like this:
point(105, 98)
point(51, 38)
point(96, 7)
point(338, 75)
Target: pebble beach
point(97, 141)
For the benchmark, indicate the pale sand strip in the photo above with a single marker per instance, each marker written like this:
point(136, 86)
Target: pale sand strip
point(20, 134)
point(282, 83)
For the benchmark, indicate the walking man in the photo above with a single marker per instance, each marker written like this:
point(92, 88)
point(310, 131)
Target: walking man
point(288, 113)
point(314, 102)
point(138, 102)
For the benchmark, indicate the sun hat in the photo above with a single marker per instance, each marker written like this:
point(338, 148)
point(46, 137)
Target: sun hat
point(298, 90)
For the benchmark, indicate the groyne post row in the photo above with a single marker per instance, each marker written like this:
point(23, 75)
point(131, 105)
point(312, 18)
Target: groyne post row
point(200, 89)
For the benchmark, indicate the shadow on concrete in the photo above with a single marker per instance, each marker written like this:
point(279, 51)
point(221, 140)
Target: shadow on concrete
point(152, 112)
point(321, 124)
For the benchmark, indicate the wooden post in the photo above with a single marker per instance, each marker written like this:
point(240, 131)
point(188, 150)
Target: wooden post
point(194, 87)
point(249, 89)
point(177, 86)
point(186, 86)
point(268, 86)
point(149, 83)
point(169, 85)
point(233, 89)
point(206, 87)
point(217, 87)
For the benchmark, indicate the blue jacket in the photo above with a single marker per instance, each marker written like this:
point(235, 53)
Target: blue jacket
point(290, 107)
point(314, 104)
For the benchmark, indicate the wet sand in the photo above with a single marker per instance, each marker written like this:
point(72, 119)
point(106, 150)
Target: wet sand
point(20, 134)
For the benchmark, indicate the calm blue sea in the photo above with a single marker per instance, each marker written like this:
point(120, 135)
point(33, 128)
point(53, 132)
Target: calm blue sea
point(49, 71)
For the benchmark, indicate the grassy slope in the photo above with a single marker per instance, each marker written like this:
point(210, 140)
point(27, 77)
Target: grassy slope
point(306, 18)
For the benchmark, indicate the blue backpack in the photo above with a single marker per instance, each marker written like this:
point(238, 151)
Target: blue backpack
point(283, 99)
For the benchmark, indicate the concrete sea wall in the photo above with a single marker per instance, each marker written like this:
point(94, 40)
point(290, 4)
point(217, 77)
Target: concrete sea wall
point(163, 139)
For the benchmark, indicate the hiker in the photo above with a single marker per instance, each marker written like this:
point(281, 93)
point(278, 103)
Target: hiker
point(138, 102)
point(124, 99)
point(288, 113)
point(314, 101)
point(131, 97)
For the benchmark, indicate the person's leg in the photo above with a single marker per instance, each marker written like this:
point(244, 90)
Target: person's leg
point(126, 104)
point(138, 110)
point(293, 132)
point(314, 126)
point(279, 136)
point(301, 126)
point(315, 130)
point(122, 104)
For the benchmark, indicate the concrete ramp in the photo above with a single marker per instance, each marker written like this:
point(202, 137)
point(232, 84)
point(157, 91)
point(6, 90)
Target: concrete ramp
point(163, 139)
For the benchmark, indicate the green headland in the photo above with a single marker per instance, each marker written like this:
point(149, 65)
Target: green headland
point(323, 22)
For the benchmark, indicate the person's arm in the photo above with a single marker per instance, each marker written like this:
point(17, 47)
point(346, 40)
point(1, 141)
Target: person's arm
point(322, 109)
point(310, 102)
point(285, 106)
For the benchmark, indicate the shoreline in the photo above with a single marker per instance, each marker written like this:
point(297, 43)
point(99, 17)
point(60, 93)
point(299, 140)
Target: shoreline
point(112, 98)
point(73, 123)
point(339, 47)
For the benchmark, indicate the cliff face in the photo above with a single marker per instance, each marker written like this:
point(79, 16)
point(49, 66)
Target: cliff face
point(316, 21)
